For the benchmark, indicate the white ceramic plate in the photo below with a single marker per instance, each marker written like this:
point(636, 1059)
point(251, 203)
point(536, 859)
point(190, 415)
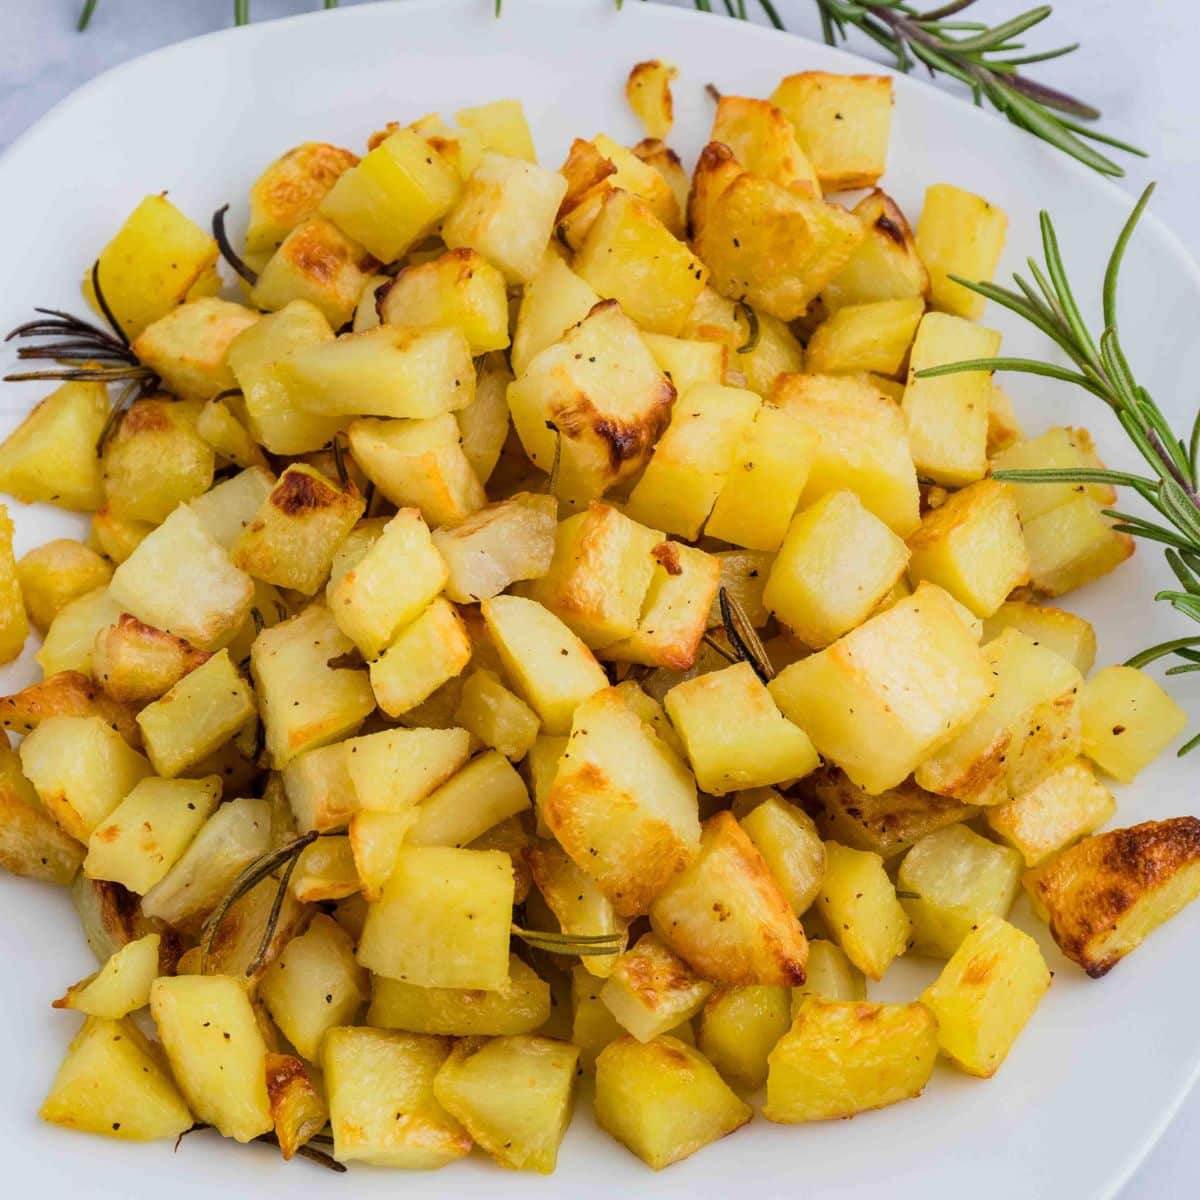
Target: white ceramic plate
point(1103, 1065)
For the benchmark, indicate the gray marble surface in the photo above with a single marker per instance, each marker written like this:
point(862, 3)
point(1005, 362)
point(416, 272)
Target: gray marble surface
point(1137, 64)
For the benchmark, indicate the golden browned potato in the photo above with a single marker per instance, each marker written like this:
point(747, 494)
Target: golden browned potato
point(1103, 896)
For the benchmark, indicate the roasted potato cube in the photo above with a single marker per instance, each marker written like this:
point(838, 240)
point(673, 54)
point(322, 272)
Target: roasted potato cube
point(599, 575)
point(1066, 633)
point(675, 611)
point(494, 715)
point(880, 699)
point(865, 337)
point(622, 804)
point(424, 655)
point(314, 985)
point(772, 246)
point(663, 1099)
point(630, 256)
point(186, 347)
point(837, 562)
point(319, 789)
point(735, 736)
point(1128, 721)
point(233, 837)
point(395, 769)
point(65, 694)
point(216, 1051)
point(394, 196)
point(501, 126)
point(154, 262)
point(1030, 728)
point(271, 415)
point(1071, 545)
point(147, 833)
point(135, 663)
point(382, 1107)
point(485, 792)
point(761, 353)
point(986, 994)
point(290, 190)
point(31, 842)
point(69, 642)
point(521, 1128)
point(326, 870)
point(227, 435)
point(651, 989)
point(692, 461)
point(419, 464)
point(51, 455)
point(739, 1026)
point(388, 371)
point(375, 841)
point(115, 537)
point(460, 289)
point(1057, 448)
point(578, 905)
point(862, 445)
point(112, 1083)
point(121, 986)
point(548, 665)
point(181, 581)
point(648, 90)
point(81, 769)
point(726, 916)
point(1054, 813)
point(858, 904)
point(197, 716)
point(657, 154)
point(842, 123)
point(226, 509)
point(763, 141)
point(484, 424)
point(498, 546)
point(520, 1006)
point(687, 362)
point(443, 919)
point(600, 396)
point(507, 213)
point(384, 581)
point(788, 841)
point(954, 879)
point(596, 168)
point(887, 823)
point(830, 975)
point(156, 460)
point(462, 148)
point(947, 417)
point(972, 546)
point(318, 263)
point(14, 624)
point(303, 701)
point(1104, 895)
point(844, 1057)
point(885, 266)
point(551, 302)
point(759, 494)
point(592, 1024)
point(961, 234)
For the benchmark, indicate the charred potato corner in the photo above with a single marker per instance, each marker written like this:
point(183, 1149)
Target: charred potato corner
point(547, 625)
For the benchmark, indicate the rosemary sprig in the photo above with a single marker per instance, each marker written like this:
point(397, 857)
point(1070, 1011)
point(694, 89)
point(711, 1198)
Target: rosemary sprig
point(743, 637)
point(575, 945)
point(1103, 369)
point(228, 253)
point(984, 58)
point(250, 877)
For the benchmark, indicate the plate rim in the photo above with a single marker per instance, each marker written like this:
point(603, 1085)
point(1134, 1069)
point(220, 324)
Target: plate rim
point(445, 9)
